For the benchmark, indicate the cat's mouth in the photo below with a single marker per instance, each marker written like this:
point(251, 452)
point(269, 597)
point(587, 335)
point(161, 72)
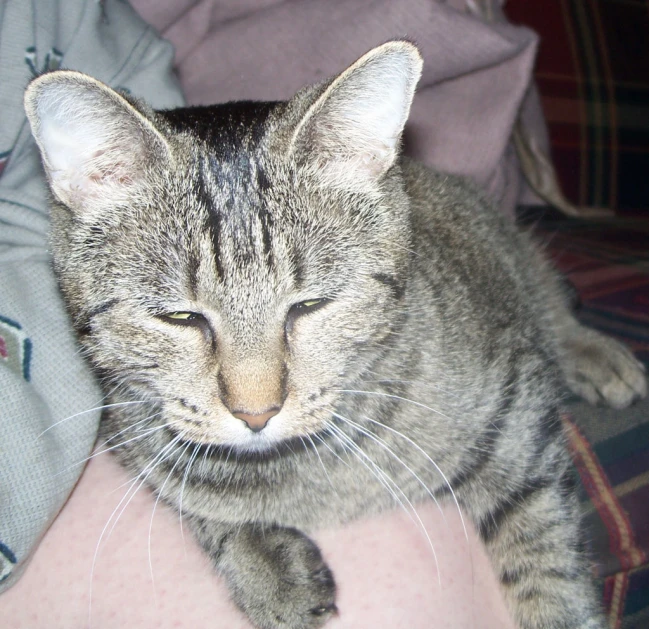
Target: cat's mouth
point(232, 434)
point(281, 450)
point(215, 426)
point(227, 436)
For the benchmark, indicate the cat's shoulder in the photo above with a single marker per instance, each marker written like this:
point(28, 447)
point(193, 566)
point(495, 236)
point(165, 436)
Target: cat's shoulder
point(452, 209)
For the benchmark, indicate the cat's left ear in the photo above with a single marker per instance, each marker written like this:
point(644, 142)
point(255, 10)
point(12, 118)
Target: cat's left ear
point(96, 146)
point(350, 136)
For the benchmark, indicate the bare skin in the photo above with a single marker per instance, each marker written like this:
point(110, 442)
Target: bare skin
point(384, 569)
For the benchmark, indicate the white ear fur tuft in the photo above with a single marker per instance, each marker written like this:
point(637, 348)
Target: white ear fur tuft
point(95, 145)
point(350, 136)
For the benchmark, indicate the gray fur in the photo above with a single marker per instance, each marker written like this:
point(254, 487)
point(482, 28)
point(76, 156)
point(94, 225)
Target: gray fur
point(441, 334)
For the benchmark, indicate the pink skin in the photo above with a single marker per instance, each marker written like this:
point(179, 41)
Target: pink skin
point(384, 569)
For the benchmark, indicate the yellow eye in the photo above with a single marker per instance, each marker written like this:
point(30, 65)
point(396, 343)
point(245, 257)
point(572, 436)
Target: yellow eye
point(303, 308)
point(182, 316)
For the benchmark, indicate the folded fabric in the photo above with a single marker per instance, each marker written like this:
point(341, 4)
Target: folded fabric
point(47, 395)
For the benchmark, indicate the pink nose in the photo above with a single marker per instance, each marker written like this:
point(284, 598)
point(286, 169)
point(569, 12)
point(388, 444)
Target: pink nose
point(256, 422)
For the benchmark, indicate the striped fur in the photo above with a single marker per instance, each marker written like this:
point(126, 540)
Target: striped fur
point(298, 328)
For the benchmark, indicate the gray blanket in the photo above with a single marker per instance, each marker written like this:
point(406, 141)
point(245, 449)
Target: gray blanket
point(46, 391)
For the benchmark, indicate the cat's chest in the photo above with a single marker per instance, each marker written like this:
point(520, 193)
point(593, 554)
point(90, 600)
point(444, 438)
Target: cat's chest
point(324, 486)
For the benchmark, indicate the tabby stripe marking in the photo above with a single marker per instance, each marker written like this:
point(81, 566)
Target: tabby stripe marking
point(265, 221)
point(490, 523)
point(483, 451)
point(215, 232)
point(193, 273)
point(83, 327)
point(105, 307)
point(483, 448)
point(297, 267)
point(515, 576)
point(398, 289)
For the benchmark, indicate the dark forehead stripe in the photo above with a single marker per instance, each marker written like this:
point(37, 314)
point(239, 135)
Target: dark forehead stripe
point(266, 223)
point(232, 183)
point(297, 267)
point(213, 227)
point(223, 126)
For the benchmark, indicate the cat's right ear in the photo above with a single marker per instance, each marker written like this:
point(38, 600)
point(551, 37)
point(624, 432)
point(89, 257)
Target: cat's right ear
point(350, 135)
point(96, 147)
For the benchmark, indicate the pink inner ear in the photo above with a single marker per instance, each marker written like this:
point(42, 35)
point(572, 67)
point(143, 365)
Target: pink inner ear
point(96, 146)
point(105, 176)
point(110, 166)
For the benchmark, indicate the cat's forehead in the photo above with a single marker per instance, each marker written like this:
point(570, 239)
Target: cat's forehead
point(270, 232)
point(262, 223)
point(235, 188)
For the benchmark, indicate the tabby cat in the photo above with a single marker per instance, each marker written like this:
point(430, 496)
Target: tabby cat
point(256, 283)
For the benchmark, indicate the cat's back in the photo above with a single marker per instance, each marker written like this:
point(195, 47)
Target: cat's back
point(472, 265)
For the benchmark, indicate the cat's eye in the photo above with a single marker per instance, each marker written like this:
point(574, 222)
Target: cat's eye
point(303, 308)
point(310, 305)
point(184, 318)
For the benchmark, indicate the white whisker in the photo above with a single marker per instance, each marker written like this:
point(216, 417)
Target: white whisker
point(192, 458)
point(386, 480)
point(145, 474)
point(155, 506)
point(394, 397)
point(324, 469)
point(389, 450)
point(113, 447)
point(326, 445)
point(90, 410)
point(432, 462)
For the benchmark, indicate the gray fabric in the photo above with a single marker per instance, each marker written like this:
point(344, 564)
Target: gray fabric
point(46, 391)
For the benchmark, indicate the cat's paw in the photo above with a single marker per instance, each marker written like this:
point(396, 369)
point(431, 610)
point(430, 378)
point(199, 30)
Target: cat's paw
point(602, 370)
point(279, 579)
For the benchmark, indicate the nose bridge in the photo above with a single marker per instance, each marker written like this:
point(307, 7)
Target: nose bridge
point(252, 377)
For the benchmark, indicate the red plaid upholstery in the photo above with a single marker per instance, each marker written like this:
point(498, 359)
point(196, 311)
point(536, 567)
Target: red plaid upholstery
point(608, 263)
point(593, 75)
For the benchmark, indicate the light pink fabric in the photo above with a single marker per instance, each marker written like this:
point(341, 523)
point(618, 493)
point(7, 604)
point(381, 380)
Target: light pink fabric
point(477, 68)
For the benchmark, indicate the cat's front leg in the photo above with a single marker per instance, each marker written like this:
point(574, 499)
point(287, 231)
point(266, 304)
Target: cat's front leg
point(532, 535)
point(276, 575)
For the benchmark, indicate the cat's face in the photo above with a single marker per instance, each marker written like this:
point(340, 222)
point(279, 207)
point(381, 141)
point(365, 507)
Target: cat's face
point(221, 272)
point(268, 305)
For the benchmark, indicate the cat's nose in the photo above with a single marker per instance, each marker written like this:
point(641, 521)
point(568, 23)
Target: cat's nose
point(256, 421)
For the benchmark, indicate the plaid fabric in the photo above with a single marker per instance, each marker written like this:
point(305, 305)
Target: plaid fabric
point(593, 76)
point(608, 263)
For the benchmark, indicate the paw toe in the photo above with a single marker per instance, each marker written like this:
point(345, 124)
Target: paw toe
point(602, 370)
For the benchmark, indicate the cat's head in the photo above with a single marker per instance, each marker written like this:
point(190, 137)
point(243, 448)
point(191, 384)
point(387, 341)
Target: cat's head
point(240, 262)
